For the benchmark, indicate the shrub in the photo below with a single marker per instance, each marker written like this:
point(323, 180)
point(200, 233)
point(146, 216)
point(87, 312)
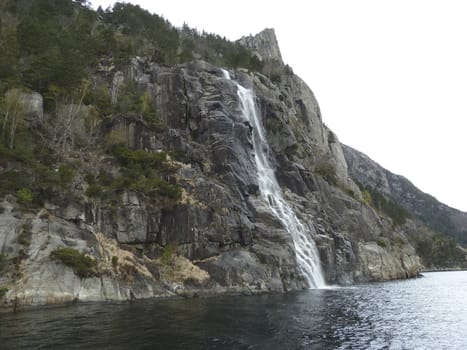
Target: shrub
point(381, 242)
point(141, 171)
point(166, 189)
point(104, 178)
point(366, 197)
point(399, 241)
point(3, 261)
point(95, 190)
point(11, 181)
point(137, 158)
point(349, 192)
point(83, 265)
point(391, 208)
point(3, 291)
point(440, 251)
point(114, 261)
point(328, 173)
point(24, 237)
point(66, 174)
point(275, 78)
point(168, 253)
point(157, 187)
point(24, 195)
point(90, 178)
point(178, 155)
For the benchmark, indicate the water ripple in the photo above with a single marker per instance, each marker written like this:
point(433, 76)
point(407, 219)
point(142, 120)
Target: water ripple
point(426, 313)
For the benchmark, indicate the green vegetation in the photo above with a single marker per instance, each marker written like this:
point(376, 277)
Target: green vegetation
point(396, 212)
point(54, 47)
point(96, 191)
point(65, 175)
point(3, 261)
point(440, 251)
point(366, 197)
point(24, 237)
point(13, 116)
point(48, 45)
point(439, 219)
point(398, 241)
point(34, 175)
point(349, 192)
point(83, 265)
point(328, 173)
point(24, 195)
point(381, 242)
point(178, 155)
point(141, 171)
point(29, 165)
point(114, 261)
point(138, 159)
point(3, 291)
point(168, 253)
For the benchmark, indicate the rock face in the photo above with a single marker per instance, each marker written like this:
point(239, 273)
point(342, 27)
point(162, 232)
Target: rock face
point(219, 236)
point(264, 45)
point(33, 104)
point(29, 103)
point(438, 216)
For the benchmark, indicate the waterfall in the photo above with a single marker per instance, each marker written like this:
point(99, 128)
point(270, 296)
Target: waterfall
point(305, 248)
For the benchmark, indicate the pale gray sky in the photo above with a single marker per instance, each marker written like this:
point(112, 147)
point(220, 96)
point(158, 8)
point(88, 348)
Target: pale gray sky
point(390, 75)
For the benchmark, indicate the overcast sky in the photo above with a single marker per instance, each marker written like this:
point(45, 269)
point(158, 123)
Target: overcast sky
point(390, 76)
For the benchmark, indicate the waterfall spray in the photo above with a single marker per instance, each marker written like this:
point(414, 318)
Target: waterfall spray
point(271, 193)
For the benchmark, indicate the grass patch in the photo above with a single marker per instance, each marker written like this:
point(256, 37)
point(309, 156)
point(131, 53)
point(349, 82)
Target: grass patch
point(83, 265)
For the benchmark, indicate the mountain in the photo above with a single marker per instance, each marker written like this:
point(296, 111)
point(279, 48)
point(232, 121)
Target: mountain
point(130, 167)
point(448, 225)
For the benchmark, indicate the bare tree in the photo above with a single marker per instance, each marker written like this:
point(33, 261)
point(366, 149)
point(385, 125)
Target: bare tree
point(14, 115)
point(73, 111)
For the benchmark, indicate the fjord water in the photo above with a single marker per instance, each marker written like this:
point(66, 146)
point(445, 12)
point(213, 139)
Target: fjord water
point(424, 313)
point(271, 193)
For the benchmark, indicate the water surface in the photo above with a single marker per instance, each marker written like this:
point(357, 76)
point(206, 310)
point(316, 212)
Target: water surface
point(424, 313)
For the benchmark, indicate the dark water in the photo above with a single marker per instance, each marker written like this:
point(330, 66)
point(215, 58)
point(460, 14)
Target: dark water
point(425, 313)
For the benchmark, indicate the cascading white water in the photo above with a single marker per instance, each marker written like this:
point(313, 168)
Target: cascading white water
point(271, 193)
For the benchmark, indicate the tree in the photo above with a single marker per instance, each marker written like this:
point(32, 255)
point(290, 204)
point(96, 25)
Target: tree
point(9, 57)
point(14, 115)
point(83, 3)
point(66, 120)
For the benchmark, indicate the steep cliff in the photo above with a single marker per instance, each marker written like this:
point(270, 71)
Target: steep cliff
point(447, 225)
point(155, 192)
